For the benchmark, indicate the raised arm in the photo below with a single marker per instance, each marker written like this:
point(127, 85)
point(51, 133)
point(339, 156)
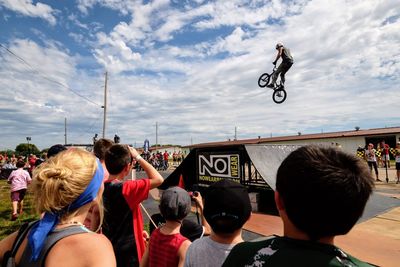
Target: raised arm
point(154, 176)
point(199, 201)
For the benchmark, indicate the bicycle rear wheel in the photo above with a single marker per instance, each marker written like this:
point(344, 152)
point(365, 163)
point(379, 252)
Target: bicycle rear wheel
point(279, 96)
point(264, 80)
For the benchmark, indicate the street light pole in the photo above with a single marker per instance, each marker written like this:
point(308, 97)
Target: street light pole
point(28, 138)
point(156, 136)
point(105, 106)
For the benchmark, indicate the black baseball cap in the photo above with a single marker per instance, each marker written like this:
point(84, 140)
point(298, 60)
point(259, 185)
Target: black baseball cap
point(226, 206)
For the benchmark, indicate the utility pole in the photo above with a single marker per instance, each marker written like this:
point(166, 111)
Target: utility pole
point(235, 133)
point(65, 131)
point(156, 136)
point(105, 106)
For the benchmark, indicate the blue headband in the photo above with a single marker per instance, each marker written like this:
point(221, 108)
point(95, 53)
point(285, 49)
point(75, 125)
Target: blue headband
point(39, 232)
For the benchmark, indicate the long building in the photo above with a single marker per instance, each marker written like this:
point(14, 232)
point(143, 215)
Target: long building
point(349, 141)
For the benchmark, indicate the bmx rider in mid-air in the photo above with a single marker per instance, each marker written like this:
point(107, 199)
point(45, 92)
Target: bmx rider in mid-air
point(287, 62)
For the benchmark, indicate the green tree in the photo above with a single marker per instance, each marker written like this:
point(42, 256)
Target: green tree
point(8, 152)
point(24, 149)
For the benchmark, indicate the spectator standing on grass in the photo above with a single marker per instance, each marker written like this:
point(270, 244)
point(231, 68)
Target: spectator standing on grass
point(123, 222)
point(19, 180)
point(8, 165)
point(370, 156)
point(31, 162)
point(167, 246)
point(226, 208)
point(13, 160)
point(320, 194)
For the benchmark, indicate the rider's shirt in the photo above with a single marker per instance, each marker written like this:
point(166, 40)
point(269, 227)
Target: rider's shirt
point(286, 56)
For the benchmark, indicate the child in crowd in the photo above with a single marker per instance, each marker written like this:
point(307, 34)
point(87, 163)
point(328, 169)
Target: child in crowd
point(320, 193)
point(92, 221)
point(167, 247)
point(189, 229)
point(226, 208)
point(19, 180)
point(123, 222)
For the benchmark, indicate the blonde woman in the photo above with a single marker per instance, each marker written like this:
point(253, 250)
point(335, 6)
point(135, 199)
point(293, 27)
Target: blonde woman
point(65, 187)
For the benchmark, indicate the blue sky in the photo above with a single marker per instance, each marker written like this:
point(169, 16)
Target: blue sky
point(192, 67)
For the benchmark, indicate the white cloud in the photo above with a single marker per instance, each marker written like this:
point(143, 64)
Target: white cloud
point(27, 8)
point(194, 70)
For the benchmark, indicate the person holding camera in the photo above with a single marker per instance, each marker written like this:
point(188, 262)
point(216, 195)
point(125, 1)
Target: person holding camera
point(190, 229)
point(226, 208)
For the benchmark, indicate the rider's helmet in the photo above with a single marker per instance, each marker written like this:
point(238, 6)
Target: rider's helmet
point(278, 45)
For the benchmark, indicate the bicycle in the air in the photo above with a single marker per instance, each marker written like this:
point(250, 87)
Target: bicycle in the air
point(279, 94)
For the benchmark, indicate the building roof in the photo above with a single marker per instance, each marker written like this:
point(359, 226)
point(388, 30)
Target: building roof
point(353, 133)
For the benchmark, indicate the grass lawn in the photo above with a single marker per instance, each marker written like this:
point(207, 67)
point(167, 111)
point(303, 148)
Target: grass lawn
point(6, 225)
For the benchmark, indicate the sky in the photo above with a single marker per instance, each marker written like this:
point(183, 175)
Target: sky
point(186, 71)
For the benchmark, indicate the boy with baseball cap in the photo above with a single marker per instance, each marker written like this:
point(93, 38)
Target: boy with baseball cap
point(226, 208)
point(167, 246)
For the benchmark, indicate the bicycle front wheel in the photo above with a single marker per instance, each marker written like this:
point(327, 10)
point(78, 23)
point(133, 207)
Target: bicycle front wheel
point(279, 96)
point(264, 80)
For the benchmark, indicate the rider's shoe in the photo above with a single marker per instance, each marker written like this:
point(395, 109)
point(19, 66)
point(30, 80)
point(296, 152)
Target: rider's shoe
point(271, 85)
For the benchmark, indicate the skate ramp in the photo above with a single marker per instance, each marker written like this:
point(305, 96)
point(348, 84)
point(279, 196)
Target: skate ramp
point(267, 159)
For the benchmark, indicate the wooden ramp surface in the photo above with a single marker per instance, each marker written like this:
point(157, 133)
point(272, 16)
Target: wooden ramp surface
point(376, 241)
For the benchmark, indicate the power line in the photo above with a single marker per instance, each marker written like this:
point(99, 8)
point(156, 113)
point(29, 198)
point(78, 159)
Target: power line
point(90, 128)
point(47, 78)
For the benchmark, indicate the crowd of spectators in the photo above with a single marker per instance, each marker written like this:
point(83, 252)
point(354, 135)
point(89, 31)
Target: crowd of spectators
point(162, 160)
point(379, 156)
point(89, 208)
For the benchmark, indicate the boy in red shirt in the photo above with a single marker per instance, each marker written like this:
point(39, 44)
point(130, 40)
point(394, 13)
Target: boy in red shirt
point(123, 222)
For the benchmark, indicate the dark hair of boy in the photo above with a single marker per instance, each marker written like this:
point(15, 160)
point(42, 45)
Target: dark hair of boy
point(226, 206)
point(55, 149)
point(116, 158)
point(20, 164)
point(324, 190)
point(101, 146)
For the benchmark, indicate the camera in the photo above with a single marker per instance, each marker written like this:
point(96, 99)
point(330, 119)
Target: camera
point(193, 194)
